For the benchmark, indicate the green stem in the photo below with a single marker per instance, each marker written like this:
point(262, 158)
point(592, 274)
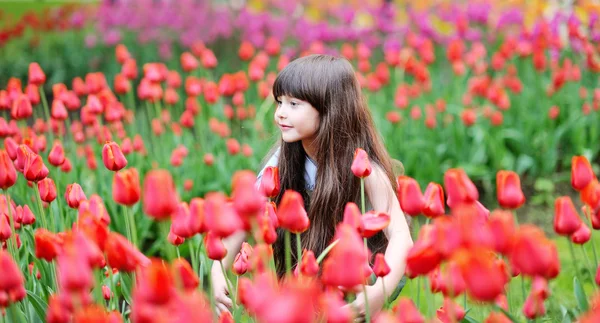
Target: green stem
point(12, 245)
point(40, 207)
point(523, 288)
point(299, 251)
point(288, 252)
point(113, 289)
point(367, 310)
point(168, 247)
point(128, 227)
point(574, 259)
point(131, 216)
point(589, 265)
point(46, 110)
point(589, 222)
point(362, 194)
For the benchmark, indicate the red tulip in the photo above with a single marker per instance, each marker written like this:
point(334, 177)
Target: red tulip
point(247, 200)
point(122, 255)
point(333, 306)
point(220, 216)
point(448, 280)
point(582, 235)
point(409, 195)
point(380, 267)
point(534, 306)
point(309, 266)
point(407, 312)
point(590, 195)
point(11, 281)
point(30, 164)
point(5, 229)
point(433, 205)
point(58, 110)
point(126, 187)
point(509, 191)
point(450, 312)
point(74, 195)
point(373, 222)
point(533, 254)
point(8, 174)
point(47, 189)
point(581, 172)
point(483, 277)
point(21, 108)
point(113, 157)
point(47, 244)
point(28, 218)
point(160, 196)
point(240, 264)
point(361, 166)
point(502, 227)
point(36, 74)
point(353, 217)
point(345, 264)
point(566, 219)
point(423, 257)
point(214, 246)
point(291, 214)
point(188, 62)
point(266, 225)
point(459, 187)
point(269, 182)
point(57, 154)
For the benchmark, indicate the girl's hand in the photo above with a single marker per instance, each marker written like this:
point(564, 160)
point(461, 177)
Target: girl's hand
point(376, 302)
point(219, 285)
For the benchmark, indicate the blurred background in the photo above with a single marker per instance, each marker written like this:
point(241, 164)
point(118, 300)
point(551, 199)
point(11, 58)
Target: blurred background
point(483, 85)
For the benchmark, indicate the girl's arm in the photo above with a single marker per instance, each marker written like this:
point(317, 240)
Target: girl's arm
point(383, 199)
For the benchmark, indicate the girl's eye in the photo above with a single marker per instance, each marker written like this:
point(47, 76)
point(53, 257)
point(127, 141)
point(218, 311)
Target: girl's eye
point(293, 103)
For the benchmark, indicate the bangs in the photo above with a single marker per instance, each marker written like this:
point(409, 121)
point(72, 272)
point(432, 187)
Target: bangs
point(293, 81)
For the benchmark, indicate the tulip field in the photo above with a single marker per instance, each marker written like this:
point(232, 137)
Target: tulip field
point(132, 135)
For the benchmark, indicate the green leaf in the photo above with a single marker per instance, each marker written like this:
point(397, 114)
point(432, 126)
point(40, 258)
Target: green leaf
point(126, 287)
point(468, 319)
point(510, 317)
point(524, 162)
point(38, 305)
point(580, 295)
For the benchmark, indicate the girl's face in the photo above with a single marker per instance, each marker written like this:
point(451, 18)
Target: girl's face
point(297, 119)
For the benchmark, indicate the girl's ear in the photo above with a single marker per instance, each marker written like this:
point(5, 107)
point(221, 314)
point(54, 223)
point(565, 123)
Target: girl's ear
point(397, 168)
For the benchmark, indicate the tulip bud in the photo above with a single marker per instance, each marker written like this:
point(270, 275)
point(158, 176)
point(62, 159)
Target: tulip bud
point(160, 196)
point(509, 191)
point(433, 205)
point(74, 195)
point(409, 195)
point(126, 187)
point(113, 157)
point(291, 214)
point(581, 172)
point(361, 166)
point(8, 174)
point(566, 219)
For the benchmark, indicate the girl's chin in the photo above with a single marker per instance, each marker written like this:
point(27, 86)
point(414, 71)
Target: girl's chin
point(289, 139)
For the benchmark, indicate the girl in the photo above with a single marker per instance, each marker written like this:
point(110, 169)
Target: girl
point(323, 118)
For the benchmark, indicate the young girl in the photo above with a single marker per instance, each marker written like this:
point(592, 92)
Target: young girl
point(323, 118)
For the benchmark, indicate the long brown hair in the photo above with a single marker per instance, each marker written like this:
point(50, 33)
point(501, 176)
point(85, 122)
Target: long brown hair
point(330, 85)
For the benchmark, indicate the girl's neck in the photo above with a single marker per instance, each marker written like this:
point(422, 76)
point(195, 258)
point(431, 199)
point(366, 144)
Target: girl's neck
point(309, 149)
